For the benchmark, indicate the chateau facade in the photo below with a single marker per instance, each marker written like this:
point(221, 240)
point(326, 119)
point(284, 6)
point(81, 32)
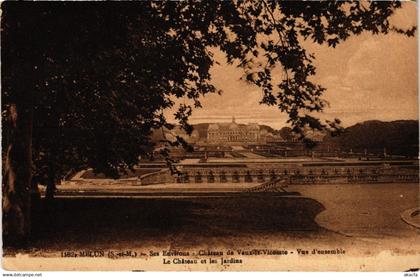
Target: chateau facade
point(233, 133)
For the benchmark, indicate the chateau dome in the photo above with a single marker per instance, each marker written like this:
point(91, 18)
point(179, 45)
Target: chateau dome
point(233, 126)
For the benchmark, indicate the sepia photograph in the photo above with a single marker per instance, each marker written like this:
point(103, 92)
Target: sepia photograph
point(255, 135)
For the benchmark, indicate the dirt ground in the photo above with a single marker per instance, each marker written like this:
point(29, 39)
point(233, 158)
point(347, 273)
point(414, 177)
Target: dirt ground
point(364, 210)
point(363, 219)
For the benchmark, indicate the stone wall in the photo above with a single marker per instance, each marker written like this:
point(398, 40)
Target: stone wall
point(294, 174)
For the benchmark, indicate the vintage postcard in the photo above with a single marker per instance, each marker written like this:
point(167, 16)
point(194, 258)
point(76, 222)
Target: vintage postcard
point(210, 136)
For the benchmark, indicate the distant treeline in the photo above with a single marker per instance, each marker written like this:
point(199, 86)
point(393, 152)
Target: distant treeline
point(399, 137)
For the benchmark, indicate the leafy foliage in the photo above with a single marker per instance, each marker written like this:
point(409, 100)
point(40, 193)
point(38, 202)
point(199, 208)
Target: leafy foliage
point(397, 137)
point(97, 76)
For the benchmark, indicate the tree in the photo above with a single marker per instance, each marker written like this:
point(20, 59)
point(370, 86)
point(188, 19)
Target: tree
point(286, 133)
point(397, 137)
point(83, 84)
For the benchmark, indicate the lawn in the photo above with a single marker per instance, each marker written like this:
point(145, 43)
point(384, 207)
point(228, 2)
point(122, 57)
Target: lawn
point(80, 223)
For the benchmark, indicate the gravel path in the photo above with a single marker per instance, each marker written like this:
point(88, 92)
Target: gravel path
point(371, 211)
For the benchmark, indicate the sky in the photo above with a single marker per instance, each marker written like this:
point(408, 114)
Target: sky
point(367, 77)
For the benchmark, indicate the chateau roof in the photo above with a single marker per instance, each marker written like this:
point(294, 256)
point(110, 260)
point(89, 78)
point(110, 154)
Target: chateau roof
point(214, 126)
point(253, 126)
point(232, 126)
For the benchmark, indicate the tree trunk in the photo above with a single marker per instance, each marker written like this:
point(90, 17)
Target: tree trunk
point(51, 179)
point(17, 177)
point(36, 209)
point(49, 194)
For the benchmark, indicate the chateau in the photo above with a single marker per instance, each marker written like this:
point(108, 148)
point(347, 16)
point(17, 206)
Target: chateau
point(233, 133)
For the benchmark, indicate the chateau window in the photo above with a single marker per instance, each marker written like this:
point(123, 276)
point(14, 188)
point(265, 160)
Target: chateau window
point(260, 176)
point(223, 178)
point(210, 177)
point(248, 177)
point(272, 175)
point(186, 178)
point(235, 177)
point(198, 178)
